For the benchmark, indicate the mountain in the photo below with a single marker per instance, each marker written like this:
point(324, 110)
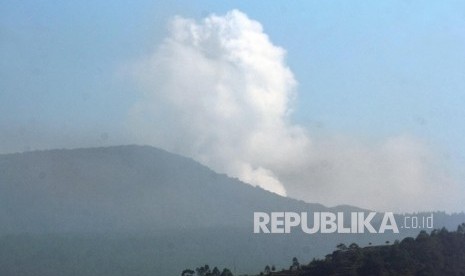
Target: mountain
point(138, 210)
point(123, 189)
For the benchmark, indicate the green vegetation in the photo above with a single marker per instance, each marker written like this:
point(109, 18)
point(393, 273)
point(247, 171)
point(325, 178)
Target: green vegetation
point(439, 253)
point(206, 271)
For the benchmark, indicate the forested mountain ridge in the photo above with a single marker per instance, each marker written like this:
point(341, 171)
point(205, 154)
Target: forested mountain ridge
point(437, 253)
point(137, 210)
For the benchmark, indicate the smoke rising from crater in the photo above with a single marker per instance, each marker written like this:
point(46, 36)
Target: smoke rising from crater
point(220, 92)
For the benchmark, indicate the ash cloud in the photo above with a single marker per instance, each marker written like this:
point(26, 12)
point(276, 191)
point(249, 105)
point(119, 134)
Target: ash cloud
point(220, 92)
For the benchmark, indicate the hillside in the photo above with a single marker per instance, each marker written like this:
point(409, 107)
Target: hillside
point(437, 253)
point(123, 189)
point(133, 210)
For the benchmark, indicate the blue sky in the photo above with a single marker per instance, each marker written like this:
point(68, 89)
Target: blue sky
point(366, 69)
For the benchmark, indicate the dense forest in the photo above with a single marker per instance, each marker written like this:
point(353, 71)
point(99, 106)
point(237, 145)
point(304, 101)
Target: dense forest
point(437, 253)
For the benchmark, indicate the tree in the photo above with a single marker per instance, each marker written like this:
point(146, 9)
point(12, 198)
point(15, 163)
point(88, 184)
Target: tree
point(341, 246)
point(187, 272)
point(226, 272)
point(461, 228)
point(215, 272)
point(203, 270)
point(295, 264)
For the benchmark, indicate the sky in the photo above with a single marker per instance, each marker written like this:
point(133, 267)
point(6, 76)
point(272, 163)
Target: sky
point(338, 102)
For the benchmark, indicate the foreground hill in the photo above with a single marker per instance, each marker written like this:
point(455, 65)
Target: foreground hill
point(439, 253)
point(133, 210)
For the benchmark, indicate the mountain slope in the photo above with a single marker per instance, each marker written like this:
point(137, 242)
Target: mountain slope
point(120, 189)
point(133, 210)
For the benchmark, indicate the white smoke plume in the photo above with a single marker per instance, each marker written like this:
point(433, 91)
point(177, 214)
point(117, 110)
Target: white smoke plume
point(220, 92)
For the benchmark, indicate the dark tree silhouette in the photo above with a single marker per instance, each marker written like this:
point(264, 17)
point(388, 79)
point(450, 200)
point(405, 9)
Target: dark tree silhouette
point(267, 270)
point(187, 272)
point(295, 264)
point(341, 246)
